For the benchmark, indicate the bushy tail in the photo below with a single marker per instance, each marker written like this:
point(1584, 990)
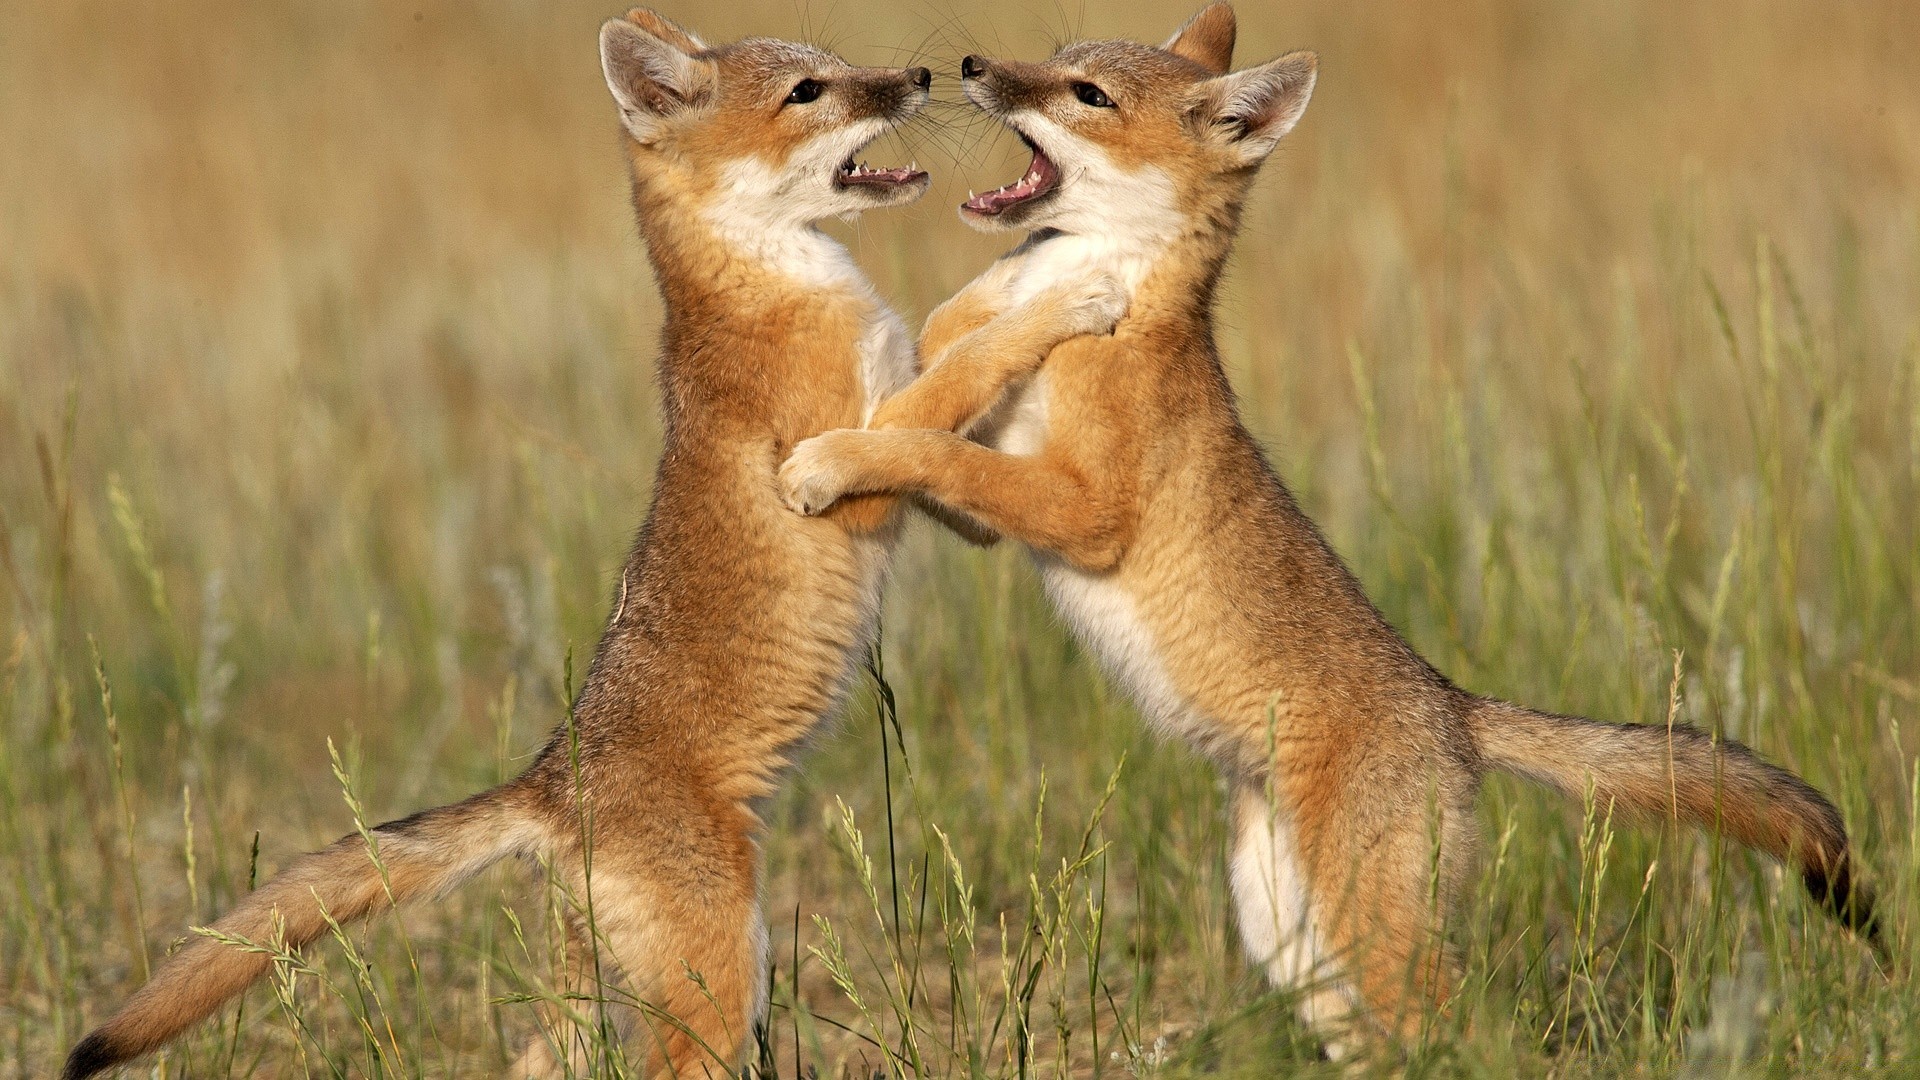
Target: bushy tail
point(424, 854)
point(1683, 774)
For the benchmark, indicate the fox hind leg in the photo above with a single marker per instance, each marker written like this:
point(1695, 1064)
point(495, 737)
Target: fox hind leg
point(1345, 903)
point(704, 990)
point(564, 1045)
point(1382, 880)
point(1277, 925)
point(669, 978)
point(688, 938)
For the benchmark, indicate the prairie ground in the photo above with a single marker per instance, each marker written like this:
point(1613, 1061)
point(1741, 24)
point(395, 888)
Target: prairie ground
point(1589, 332)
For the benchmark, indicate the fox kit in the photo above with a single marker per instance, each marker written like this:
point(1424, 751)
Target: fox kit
point(735, 624)
point(1172, 549)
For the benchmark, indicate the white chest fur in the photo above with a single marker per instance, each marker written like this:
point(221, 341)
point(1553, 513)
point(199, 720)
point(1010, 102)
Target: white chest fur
point(1103, 615)
point(1097, 606)
point(1019, 425)
point(1064, 257)
point(764, 221)
point(886, 357)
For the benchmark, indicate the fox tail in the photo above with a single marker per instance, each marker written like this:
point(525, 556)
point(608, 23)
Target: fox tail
point(422, 855)
point(1684, 775)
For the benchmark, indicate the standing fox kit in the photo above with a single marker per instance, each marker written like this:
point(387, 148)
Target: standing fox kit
point(1170, 547)
point(736, 623)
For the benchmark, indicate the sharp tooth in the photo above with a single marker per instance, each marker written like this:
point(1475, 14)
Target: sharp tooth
point(970, 195)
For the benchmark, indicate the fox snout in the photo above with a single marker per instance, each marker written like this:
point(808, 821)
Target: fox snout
point(980, 84)
point(1005, 86)
point(896, 94)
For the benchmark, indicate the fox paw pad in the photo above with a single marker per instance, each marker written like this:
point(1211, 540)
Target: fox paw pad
point(810, 480)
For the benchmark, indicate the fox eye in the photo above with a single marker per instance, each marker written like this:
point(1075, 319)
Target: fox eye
point(804, 91)
point(1092, 95)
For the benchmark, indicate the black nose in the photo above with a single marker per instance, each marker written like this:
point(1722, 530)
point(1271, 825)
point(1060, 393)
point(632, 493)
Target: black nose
point(972, 67)
point(921, 77)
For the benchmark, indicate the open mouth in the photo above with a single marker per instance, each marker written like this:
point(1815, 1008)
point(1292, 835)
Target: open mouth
point(859, 174)
point(1042, 177)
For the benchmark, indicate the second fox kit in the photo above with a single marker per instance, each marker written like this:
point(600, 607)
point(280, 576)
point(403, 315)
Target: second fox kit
point(1172, 549)
point(736, 624)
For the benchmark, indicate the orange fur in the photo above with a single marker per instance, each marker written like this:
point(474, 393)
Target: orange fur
point(1170, 546)
point(736, 625)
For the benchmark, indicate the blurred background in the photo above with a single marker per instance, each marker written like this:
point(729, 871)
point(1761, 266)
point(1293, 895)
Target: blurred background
point(1589, 332)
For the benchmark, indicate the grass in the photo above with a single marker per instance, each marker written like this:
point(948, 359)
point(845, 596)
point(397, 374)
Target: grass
point(1590, 333)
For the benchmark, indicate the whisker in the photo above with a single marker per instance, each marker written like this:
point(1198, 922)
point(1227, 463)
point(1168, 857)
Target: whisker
point(944, 141)
point(958, 127)
point(831, 35)
point(936, 38)
point(1069, 29)
point(959, 35)
point(803, 11)
point(950, 29)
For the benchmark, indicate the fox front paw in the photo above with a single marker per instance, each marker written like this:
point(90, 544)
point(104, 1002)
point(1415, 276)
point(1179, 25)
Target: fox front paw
point(811, 479)
point(1096, 305)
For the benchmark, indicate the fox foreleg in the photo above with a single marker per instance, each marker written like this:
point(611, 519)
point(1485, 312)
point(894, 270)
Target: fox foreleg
point(963, 382)
point(977, 303)
point(1037, 500)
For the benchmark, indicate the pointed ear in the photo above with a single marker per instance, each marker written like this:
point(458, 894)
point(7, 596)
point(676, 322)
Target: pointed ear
point(666, 30)
point(1249, 111)
point(1207, 39)
point(651, 76)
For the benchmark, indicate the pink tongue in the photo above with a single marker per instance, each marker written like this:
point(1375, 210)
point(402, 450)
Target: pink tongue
point(993, 202)
point(1041, 175)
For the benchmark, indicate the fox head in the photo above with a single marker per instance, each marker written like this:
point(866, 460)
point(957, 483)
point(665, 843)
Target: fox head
point(1130, 138)
point(761, 133)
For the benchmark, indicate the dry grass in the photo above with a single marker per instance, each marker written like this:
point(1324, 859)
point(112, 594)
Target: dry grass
point(1590, 332)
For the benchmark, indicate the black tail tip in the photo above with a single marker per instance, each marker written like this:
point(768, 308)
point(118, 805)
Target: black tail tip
point(93, 1054)
point(1850, 902)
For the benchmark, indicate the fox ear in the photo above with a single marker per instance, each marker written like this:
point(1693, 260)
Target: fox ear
point(1250, 111)
point(650, 70)
point(666, 30)
point(1207, 39)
